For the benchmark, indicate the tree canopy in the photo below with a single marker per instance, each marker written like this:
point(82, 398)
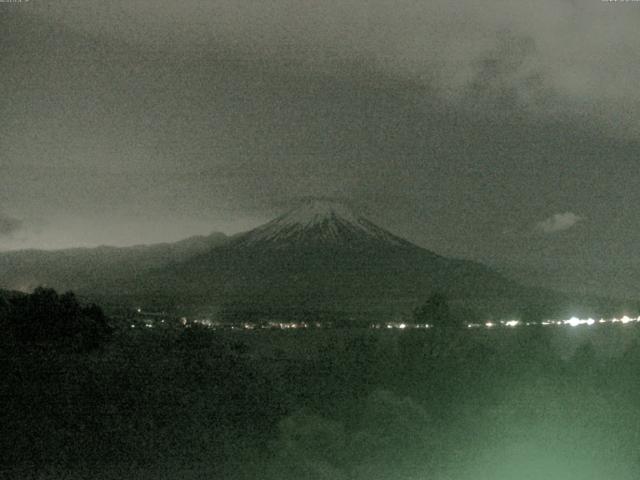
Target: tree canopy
point(47, 318)
point(435, 311)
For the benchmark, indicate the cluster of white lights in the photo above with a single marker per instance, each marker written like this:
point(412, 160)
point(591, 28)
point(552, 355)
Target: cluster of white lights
point(575, 321)
point(572, 322)
point(400, 326)
point(215, 325)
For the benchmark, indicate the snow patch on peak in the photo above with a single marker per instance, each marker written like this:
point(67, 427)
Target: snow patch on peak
point(319, 221)
point(314, 212)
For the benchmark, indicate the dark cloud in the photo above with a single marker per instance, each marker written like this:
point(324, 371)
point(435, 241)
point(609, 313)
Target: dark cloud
point(583, 51)
point(508, 78)
point(9, 225)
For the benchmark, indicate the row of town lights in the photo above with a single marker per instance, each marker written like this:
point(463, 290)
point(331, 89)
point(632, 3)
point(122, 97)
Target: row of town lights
point(572, 322)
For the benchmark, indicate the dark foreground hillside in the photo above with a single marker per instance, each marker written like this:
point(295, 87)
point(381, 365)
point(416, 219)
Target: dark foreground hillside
point(324, 404)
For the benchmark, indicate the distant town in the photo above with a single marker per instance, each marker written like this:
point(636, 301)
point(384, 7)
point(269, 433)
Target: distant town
point(144, 319)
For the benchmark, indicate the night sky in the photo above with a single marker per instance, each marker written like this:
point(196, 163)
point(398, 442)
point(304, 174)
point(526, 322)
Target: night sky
point(499, 131)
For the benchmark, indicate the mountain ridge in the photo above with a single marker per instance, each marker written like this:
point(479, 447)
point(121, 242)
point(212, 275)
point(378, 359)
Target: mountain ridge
point(317, 257)
point(81, 268)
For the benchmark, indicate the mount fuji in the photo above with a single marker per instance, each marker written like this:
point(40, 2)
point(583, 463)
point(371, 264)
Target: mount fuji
point(321, 256)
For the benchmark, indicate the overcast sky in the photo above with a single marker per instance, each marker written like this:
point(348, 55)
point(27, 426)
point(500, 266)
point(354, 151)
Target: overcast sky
point(494, 130)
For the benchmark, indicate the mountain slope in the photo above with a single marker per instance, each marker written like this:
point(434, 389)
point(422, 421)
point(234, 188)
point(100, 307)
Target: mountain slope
point(88, 269)
point(321, 256)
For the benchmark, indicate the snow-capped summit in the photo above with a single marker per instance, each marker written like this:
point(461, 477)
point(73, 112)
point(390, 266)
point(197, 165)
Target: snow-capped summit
point(319, 221)
point(315, 211)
